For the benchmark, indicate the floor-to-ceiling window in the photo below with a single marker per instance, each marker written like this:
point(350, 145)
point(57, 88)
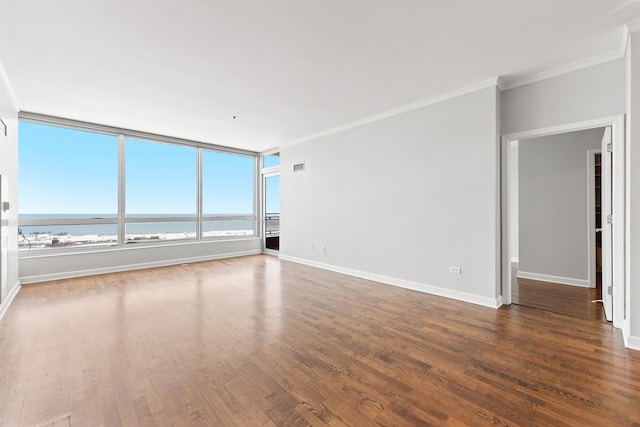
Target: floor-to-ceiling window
point(95, 186)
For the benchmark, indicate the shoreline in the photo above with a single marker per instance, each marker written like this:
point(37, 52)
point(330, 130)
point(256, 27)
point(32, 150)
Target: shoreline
point(56, 240)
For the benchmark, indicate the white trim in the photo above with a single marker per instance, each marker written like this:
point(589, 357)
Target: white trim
point(515, 259)
point(619, 218)
point(632, 342)
point(116, 269)
point(626, 323)
point(553, 279)
point(617, 123)
point(569, 127)
point(10, 297)
point(632, 27)
point(625, 37)
point(271, 252)
point(406, 284)
point(396, 111)
point(517, 81)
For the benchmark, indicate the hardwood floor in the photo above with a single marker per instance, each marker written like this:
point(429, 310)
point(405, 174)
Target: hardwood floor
point(573, 301)
point(256, 341)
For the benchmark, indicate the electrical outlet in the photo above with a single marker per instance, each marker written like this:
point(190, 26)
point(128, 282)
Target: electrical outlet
point(324, 249)
point(310, 247)
point(455, 269)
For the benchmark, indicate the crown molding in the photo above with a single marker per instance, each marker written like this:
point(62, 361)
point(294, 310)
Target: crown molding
point(503, 83)
point(633, 27)
point(625, 40)
point(525, 79)
point(517, 81)
point(494, 82)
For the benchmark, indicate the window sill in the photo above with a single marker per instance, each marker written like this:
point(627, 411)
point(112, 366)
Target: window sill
point(46, 253)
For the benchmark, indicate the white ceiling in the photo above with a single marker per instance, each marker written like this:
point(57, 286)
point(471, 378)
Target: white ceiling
point(285, 68)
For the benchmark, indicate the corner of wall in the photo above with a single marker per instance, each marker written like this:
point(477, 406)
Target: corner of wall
point(633, 342)
point(9, 169)
point(633, 179)
point(4, 307)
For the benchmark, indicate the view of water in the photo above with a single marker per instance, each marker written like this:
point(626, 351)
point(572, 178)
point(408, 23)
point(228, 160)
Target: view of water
point(142, 228)
point(48, 236)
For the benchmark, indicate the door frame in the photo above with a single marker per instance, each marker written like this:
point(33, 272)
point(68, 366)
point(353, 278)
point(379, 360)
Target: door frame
point(266, 175)
point(617, 124)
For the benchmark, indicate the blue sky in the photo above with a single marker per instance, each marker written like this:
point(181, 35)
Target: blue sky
point(65, 171)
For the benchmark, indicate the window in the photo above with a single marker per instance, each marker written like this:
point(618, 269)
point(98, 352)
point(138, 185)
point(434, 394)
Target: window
point(68, 188)
point(227, 194)
point(70, 179)
point(161, 191)
point(271, 160)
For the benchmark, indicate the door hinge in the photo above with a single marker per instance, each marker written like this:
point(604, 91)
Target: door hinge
point(609, 219)
point(609, 148)
point(609, 290)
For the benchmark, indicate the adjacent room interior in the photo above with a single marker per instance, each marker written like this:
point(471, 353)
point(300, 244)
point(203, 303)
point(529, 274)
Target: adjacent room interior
point(297, 213)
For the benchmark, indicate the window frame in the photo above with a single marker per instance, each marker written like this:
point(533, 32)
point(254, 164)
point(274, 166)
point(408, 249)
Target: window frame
point(121, 220)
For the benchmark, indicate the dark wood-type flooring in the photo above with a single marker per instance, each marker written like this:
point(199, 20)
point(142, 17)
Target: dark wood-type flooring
point(255, 341)
point(573, 301)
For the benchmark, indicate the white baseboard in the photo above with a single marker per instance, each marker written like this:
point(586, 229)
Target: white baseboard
point(10, 297)
point(583, 283)
point(406, 284)
point(129, 267)
point(632, 342)
point(515, 259)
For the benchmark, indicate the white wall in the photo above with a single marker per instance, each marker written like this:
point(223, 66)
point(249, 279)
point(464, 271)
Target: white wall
point(553, 205)
point(401, 199)
point(633, 207)
point(590, 93)
point(52, 266)
point(9, 169)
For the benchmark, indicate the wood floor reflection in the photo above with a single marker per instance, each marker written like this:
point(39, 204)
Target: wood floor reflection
point(256, 341)
point(574, 301)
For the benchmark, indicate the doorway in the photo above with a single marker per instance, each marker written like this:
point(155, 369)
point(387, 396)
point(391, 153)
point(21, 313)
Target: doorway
point(271, 203)
point(595, 210)
point(517, 252)
point(272, 212)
